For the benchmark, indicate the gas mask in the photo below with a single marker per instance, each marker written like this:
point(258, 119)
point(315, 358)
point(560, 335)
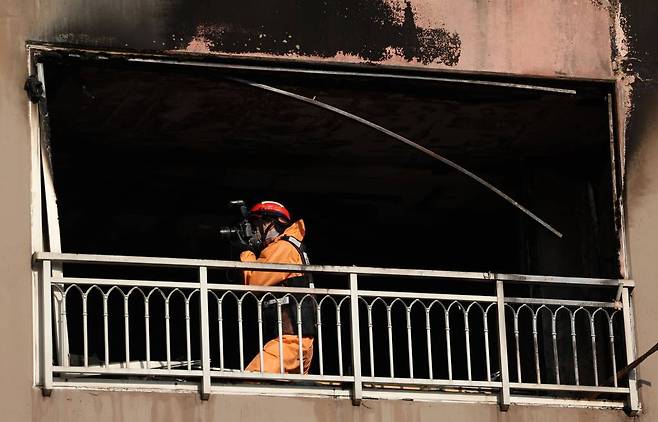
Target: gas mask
point(264, 233)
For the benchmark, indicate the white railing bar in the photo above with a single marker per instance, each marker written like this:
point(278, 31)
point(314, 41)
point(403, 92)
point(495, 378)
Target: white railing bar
point(594, 358)
point(126, 371)
point(448, 345)
point(432, 382)
point(467, 336)
point(279, 289)
point(519, 374)
point(319, 325)
point(357, 390)
point(154, 364)
point(240, 335)
point(505, 392)
point(611, 339)
point(428, 296)
point(106, 332)
point(204, 316)
point(126, 328)
point(330, 269)
point(389, 326)
point(371, 342)
point(629, 335)
point(339, 336)
point(147, 331)
point(46, 321)
point(556, 357)
point(220, 332)
point(559, 302)
point(487, 352)
point(280, 336)
point(126, 283)
point(168, 333)
point(85, 337)
point(300, 349)
point(410, 350)
point(565, 387)
point(261, 357)
point(428, 335)
point(188, 339)
point(535, 344)
point(284, 376)
point(574, 349)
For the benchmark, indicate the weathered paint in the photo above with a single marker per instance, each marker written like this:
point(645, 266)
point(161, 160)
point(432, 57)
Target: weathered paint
point(68, 405)
point(533, 37)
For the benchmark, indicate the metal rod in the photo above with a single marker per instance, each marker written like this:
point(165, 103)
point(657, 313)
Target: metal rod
point(85, 339)
point(556, 359)
point(280, 328)
point(46, 321)
point(241, 335)
point(486, 344)
point(519, 376)
point(326, 269)
point(594, 359)
point(400, 138)
point(611, 338)
point(410, 345)
point(629, 336)
point(320, 346)
point(261, 358)
point(339, 335)
point(188, 340)
point(574, 346)
point(204, 319)
point(535, 344)
point(468, 345)
point(220, 329)
point(371, 342)
point(357, 390)
point(126, 330)
point(106, 334)
point(299, 339)
point(168, 333)
point(147, 331)
point(448, 347)
point(325, 72)
point(63, 331)
point(428, 332)
point(505, 394)
point(390, 341)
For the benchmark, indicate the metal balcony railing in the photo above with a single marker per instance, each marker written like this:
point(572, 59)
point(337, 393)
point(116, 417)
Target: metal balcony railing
point(487, 346)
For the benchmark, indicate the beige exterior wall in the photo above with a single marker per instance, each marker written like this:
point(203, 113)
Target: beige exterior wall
point(538, 37)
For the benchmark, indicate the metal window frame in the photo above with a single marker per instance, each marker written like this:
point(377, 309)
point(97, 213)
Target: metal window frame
point(42, 182)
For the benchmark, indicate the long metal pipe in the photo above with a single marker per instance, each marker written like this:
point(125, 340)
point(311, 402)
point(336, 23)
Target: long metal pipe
point(400, 138)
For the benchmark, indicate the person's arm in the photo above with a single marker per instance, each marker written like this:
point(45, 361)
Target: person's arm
point(280, 252)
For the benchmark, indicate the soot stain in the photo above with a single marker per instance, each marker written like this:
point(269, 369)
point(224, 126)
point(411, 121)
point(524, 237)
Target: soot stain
point(374, 30)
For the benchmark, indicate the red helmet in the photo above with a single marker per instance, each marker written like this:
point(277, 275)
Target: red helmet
point(270, 209)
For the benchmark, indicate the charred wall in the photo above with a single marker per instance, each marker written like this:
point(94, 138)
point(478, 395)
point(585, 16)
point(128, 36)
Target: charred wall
point(640, 65)
point(471, 35)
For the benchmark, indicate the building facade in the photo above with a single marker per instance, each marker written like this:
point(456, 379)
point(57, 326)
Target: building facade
point(570, 62)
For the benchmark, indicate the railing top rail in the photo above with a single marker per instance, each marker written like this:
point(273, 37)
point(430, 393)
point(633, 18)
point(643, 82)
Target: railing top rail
point(327, 269)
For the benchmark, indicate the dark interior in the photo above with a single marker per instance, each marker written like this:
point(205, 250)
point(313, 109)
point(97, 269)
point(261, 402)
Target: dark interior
point(147, 156)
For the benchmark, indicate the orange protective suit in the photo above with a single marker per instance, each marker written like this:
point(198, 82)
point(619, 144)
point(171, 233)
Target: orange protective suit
point(279, 252)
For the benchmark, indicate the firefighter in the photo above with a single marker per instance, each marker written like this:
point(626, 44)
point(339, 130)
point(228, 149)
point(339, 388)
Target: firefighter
point(279, 240)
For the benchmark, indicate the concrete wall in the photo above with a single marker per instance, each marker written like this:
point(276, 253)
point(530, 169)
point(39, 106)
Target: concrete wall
point(535, 37)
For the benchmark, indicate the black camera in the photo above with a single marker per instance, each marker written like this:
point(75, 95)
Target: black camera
point(242, 232)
